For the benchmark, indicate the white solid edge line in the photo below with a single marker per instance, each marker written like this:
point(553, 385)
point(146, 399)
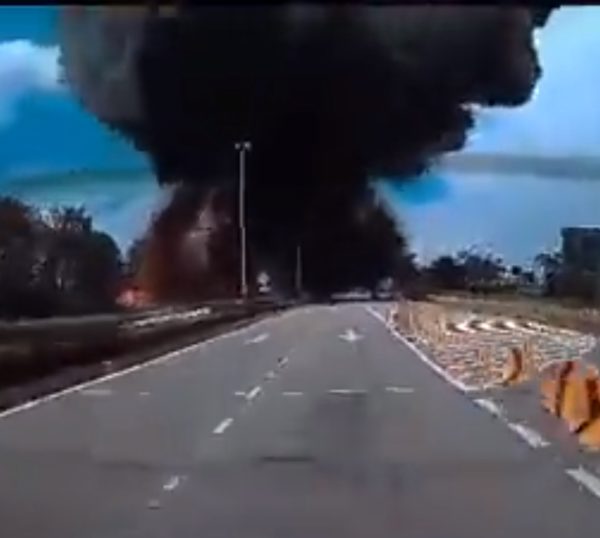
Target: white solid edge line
point(533, 438)
point(253, 393)
point(586, 479)
point(459, 385)
point(489, 405)
point(153, 362)
point(257, 339)
point(223, 425)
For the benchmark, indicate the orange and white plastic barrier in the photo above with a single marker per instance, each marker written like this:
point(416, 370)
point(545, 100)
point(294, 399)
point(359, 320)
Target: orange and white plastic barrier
point(570, 390)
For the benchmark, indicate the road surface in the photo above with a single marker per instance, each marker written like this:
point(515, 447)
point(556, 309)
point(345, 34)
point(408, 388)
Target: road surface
point(318, 422)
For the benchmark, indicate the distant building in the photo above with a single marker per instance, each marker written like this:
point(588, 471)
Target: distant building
point(580, 272)
point(581, 248)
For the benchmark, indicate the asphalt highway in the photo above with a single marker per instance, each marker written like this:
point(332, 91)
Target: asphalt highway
point(318, 422)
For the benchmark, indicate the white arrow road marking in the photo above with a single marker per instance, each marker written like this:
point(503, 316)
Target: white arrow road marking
point(529, 435)
point(172, 483)
point(350, 336)
point(258, 339)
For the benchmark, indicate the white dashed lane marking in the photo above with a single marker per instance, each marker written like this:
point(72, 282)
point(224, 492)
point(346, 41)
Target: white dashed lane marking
point(527, 434)
point(163, 359)
point(400, 390)
point(351, 336)
point(586, 480)
point(490, 406)
point(223, 425)
point(253, 393)
point(530, 436)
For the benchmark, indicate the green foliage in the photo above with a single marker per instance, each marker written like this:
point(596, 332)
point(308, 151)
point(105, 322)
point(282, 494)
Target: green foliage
point(468, 269)
point(448, 273)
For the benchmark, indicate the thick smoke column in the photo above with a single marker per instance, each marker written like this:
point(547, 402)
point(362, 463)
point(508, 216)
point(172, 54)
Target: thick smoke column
point(330, 96)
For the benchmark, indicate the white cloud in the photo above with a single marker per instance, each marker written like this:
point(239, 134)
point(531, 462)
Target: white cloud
point(25, 67)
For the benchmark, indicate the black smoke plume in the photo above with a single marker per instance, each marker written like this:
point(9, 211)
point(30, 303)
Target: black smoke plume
point(329, 96)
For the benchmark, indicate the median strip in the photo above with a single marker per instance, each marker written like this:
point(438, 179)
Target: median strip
point(68, 373)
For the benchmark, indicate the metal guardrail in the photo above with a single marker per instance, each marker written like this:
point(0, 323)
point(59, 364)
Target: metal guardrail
point(107, 326)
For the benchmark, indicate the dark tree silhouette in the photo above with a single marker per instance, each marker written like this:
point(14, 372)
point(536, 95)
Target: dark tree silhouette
point(448, 273)
point(54, 264)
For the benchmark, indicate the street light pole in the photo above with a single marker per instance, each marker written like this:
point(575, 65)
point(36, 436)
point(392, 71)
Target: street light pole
point(242, 147)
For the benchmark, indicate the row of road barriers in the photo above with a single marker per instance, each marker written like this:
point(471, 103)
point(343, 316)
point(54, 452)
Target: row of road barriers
point(569, 389)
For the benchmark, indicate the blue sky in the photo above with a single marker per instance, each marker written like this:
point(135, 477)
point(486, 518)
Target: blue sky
point(43, 129)
point(518, 216)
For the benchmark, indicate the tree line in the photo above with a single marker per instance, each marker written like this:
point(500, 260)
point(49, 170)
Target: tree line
point(54, 262)
point(475, 271)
